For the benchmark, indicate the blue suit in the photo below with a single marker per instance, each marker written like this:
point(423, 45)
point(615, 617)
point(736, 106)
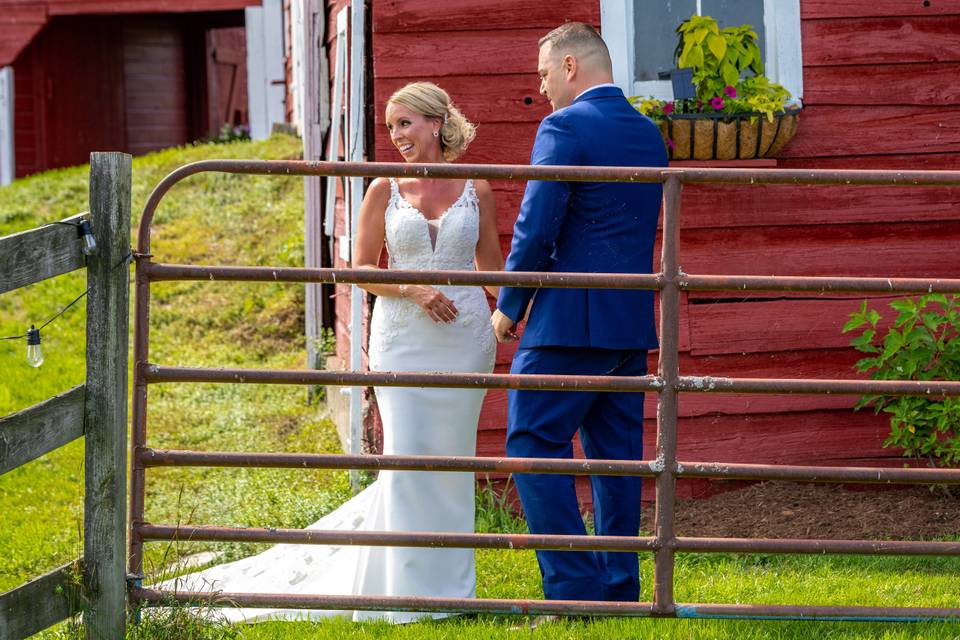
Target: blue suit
point(590, 227)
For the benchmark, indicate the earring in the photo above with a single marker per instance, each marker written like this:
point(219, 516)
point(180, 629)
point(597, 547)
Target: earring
point(436, 134)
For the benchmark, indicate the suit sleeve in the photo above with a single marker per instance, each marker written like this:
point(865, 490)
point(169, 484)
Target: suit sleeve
point(542, 213)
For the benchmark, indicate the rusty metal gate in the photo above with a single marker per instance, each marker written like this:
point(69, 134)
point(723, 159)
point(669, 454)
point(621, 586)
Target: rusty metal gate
point(668, 383)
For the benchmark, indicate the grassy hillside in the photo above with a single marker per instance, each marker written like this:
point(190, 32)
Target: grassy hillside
point(213, 218)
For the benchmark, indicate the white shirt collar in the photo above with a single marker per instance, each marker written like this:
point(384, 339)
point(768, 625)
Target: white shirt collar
point(596, 86)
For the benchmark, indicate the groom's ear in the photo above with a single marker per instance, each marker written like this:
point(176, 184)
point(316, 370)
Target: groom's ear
point(569, 66)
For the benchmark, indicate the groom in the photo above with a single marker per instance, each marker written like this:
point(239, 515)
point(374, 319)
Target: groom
point(594, 227)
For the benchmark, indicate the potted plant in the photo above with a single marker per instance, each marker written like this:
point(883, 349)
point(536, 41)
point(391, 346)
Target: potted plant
point(737, 113)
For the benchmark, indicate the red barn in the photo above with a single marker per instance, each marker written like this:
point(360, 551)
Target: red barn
point(877, 81)
point(131, 75)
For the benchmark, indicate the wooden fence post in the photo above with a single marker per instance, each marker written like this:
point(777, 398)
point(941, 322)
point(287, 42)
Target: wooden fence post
point(105, 413)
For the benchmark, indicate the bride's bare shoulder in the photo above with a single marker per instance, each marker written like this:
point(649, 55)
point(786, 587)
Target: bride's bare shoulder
point(378, 193)
point(484, 193)
point(483, 188)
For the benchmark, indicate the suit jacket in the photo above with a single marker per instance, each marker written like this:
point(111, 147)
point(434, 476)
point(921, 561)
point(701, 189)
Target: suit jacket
point(589, 227)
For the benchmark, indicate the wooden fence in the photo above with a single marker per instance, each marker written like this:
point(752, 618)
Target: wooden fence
point(97, 410)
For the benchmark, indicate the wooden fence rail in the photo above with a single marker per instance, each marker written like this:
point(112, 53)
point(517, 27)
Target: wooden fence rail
point(42, 602)
point(28, 434)
point(38, 254)
point(96, 410)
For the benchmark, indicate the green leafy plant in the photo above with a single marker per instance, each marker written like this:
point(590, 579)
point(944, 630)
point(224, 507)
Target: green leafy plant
point(717, 56)
point(231, 133)
point(727, 72)
point(923, 345)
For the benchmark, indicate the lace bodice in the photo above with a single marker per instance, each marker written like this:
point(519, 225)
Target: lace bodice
point(407, 237)
point(408, 233)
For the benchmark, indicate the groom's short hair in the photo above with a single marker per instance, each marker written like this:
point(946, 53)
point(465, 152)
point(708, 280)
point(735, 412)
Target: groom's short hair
point(579, 40)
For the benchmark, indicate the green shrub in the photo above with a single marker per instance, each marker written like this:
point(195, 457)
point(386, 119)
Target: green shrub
point(922, 345)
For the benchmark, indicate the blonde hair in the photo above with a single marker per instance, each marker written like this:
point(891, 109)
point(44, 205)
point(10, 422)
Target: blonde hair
point(429, 100)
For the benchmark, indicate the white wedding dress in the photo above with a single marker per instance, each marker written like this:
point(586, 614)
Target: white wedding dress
point(423, 421)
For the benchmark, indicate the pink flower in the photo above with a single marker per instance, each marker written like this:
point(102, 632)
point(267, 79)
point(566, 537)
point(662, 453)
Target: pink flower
point(716, 102)
point(730, 91)
point(670, 143)
point(699, 105)
point(668, 108)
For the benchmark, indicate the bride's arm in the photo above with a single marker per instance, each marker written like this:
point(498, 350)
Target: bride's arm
point(489, 257)
point(370, 235)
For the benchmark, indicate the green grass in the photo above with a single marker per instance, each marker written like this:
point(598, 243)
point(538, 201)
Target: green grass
point(258, 220)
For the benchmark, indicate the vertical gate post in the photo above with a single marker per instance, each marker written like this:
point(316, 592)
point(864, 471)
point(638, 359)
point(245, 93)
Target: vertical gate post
point(105, 410)
point(668, 369)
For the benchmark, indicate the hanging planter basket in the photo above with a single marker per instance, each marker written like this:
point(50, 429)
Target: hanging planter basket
point(724, 136)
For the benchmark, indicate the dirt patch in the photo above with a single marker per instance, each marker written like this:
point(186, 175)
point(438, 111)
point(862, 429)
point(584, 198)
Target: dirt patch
point(792, 510)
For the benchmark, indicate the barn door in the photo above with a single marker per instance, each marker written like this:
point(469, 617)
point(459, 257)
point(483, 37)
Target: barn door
point(226, 79)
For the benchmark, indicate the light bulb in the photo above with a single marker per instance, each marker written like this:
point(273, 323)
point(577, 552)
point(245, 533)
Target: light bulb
point(88, 243)
point(34, 352)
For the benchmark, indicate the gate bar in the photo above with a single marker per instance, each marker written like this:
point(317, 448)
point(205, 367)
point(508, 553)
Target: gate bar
point(580, 467)
point(190, 533)
point(167, 458)
point(545, 607)
point(712, 384)
point(154, 374)
point(159, 272)
point(813, 546)
point(206, 533)
point(819, 284)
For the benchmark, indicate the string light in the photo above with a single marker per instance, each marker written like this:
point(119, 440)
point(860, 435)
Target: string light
point(34, 352)
point(88, 244)
point(35, 355)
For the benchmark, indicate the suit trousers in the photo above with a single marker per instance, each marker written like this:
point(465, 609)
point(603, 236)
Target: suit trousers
point(542, 424)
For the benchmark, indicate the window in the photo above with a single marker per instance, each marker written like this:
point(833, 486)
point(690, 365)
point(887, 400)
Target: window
point(642, 37)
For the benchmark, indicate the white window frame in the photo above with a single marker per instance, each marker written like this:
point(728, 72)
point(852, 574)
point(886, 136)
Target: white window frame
point(784, 59)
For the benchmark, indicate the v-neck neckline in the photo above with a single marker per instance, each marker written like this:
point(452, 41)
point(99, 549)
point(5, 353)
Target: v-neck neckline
point(445, 211)
point(439, 219)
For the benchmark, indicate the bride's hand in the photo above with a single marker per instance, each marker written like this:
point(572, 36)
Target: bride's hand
point(439, 307)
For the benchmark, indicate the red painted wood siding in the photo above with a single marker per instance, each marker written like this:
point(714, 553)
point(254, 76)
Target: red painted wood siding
point(125, 83)
point(880, 92)
point(22, 20)
point(155, 85)
point(820, 9)
point(80, 85)
point(29, 112)
point(78, 7)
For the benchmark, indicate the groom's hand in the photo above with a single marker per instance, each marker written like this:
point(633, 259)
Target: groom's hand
point(503, 327)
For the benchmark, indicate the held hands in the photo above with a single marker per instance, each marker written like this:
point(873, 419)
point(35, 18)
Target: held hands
point(503, 327)
point(439, 307)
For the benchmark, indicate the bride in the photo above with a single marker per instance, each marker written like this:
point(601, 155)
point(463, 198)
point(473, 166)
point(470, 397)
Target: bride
point(425, 224)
